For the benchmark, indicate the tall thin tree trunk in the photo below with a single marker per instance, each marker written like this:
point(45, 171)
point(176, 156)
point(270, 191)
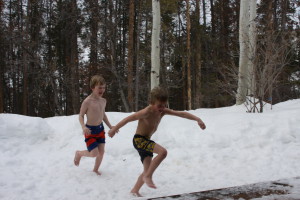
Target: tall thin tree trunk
point(137, 71)
point(155, 48)
point(162, 73)
point(284, 7)
point(25, 84)
point(197, 57)
point(244, 50)
point(213, 21)
point(73, 62)
point(182, 57)
point(2, 61)
point(93, 6)
point(270, 27)
point(130, 55)
point(76, 102)
point(252, 47)
point(25, 60)
point(204, 11)
point(188, 48)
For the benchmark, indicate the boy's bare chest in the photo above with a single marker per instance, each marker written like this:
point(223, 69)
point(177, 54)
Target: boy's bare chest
point(97, 106)
point(152, 121)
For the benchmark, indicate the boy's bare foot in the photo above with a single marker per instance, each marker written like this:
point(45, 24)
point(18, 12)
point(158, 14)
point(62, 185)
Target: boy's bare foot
point(149, 182)
point(135, 194)
point(97, 172)
point(77, 158)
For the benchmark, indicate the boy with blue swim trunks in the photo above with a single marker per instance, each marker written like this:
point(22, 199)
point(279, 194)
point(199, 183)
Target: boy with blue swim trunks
point(148, 121)
point(94, 109)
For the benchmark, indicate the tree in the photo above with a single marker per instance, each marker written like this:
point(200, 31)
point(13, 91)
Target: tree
point(188, 49)
point(2, 52)
point(197, 44)
point(243, 83)
point(138, 67)
point(252, 46)
point(130, 54)
point(155, 48)
point(93, 10)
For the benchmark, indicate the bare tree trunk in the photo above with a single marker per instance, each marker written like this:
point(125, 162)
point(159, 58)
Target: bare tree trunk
point(284, 7)
point(94, 9)
point(2, 61)
point(162, 73)
point(75, 76)
point(213, 23)
point(155, 48)
point(188, 48)
point(252, 47)
point(72, 60)
point(130, 55)
point(181, 47)
point(25, 85)
point(25, 61)
point(204, 11)
point(244, 52)
point(137, 71)
point(268, 60)
point(197, 102)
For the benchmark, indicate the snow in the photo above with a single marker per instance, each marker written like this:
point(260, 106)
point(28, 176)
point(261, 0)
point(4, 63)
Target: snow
point(237, 148)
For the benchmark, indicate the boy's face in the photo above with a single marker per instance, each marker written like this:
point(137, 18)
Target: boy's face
point(99, 90)
point(159, 106)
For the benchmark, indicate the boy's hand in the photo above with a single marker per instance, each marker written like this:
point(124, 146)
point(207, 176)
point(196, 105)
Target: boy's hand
point(113, 127)
point(112, 132)
point(201, 124)
point(86, 131)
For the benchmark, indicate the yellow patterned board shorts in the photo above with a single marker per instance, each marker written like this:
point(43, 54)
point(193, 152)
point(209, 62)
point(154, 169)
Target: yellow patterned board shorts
point(143, 145)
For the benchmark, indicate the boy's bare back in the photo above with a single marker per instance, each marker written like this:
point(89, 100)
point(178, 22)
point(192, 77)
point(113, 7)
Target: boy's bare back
point(94, 108)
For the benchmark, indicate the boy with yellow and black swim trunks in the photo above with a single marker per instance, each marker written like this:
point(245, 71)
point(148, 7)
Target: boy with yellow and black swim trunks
point(148, 121)
point(94, 109)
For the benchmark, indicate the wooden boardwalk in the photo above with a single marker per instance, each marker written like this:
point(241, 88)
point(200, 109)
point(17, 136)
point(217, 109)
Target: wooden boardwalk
point(273, 190)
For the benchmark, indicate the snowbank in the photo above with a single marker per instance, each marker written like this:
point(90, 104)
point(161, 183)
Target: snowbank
point(236, 148)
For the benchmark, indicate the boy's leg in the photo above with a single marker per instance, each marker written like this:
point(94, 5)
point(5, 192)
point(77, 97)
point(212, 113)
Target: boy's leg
point(140, 182)
point(99, 158)
point(161, 155)
point(86, 153)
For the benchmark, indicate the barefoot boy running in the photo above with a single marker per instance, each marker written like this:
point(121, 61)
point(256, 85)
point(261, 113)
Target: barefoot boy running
point(94, 109)
point(148, 121)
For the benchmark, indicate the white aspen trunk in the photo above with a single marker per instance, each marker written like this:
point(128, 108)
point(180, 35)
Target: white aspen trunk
point(244, 53)
point(155, 48)
point(252, 47)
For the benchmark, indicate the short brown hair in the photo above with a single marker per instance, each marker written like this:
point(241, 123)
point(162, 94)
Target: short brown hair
point(158, 94)
point(97, 80)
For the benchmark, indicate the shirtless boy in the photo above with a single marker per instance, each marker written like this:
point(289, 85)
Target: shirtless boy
point(94, 109)
point(148, 121)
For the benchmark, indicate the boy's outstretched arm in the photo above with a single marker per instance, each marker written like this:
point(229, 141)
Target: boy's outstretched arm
point(186, 115)
point(136, 116)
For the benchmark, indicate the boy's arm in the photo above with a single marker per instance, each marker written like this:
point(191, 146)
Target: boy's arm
point(105, 119)
point(136, 116)
point(186, 115)
point(82, 112)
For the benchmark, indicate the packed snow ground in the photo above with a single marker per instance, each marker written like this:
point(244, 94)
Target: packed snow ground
point(236, 148)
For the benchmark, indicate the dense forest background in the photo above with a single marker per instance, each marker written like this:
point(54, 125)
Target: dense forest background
point(49, 49)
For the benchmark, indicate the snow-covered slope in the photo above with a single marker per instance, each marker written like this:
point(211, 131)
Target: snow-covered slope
point(236, 148)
